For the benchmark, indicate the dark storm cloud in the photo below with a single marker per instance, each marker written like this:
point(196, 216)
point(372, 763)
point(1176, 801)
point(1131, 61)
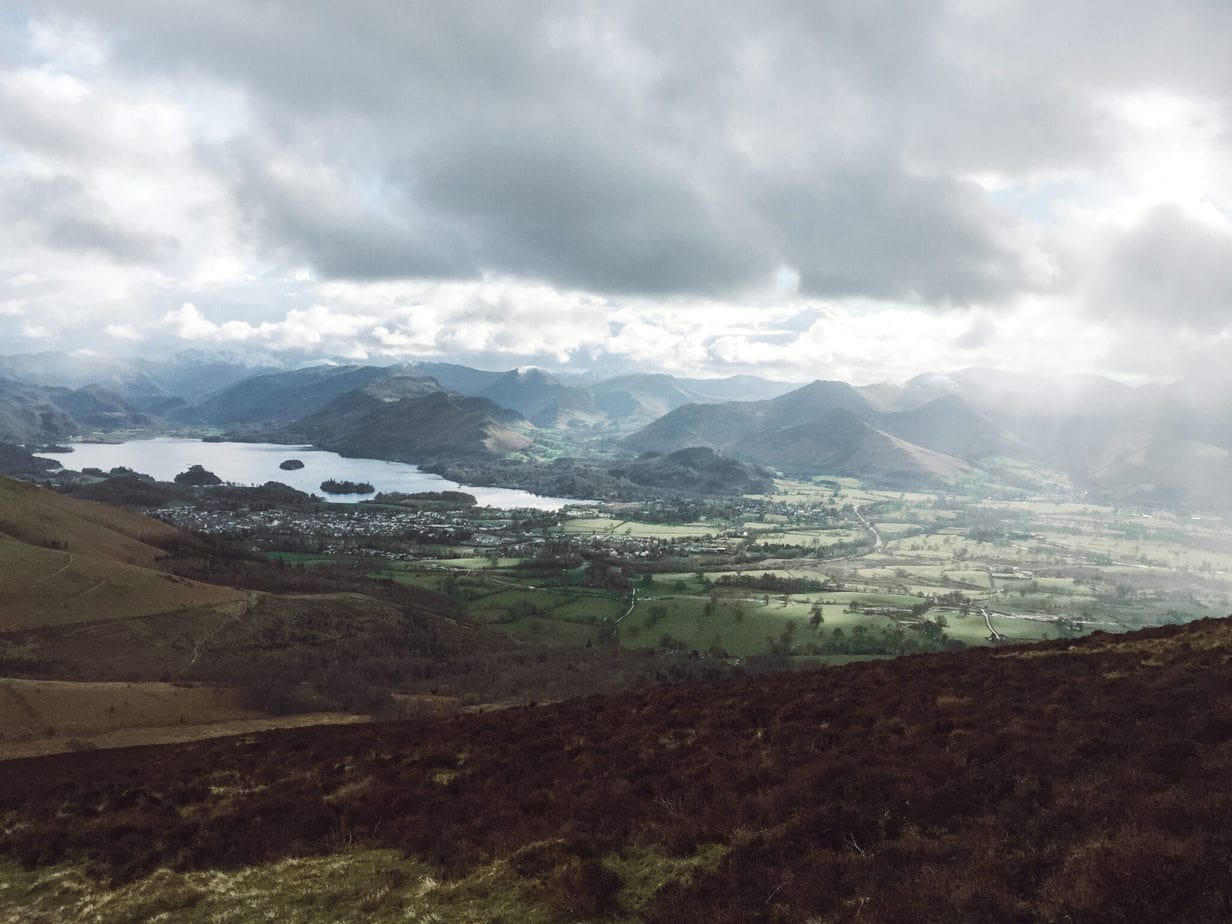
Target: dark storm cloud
point(886, 234)
point(343, 230)
point(61, 213)
point(1170, 271)
point(663, 148)
point(582, 211)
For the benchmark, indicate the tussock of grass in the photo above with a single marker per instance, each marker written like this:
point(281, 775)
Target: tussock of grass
point(646, 869)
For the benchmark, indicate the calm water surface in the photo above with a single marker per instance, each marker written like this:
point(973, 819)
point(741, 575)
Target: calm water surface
point(257, 463)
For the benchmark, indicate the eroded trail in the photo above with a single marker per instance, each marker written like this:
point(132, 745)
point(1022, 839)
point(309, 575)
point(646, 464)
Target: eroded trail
point(231, 614)
point(64, 567)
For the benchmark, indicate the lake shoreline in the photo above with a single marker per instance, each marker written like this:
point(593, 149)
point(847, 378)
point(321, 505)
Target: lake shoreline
point(244, 462)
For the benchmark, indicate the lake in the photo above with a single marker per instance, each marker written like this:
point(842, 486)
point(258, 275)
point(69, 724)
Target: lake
point(256, 463)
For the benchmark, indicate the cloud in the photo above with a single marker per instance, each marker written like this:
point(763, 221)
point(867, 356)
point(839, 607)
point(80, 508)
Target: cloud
point(881, 233)
point(61, 213)
point(606, 150)
point(123, 332)
point(699, 187)
point(1170, 270)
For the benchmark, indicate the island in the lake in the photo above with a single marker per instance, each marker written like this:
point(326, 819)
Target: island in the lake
point(291, 465)
point(332, 486)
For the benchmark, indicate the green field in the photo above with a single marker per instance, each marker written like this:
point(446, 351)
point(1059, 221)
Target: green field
point(1087, 565)
point(615, 527)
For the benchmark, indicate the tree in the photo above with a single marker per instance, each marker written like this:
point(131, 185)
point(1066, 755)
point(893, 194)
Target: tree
point(197, 475)
point(817, 619)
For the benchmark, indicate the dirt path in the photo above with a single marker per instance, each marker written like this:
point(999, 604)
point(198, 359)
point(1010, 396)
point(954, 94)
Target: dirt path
point(21, 702)
point(243, 608)
point(88, 591)
point(57, 572)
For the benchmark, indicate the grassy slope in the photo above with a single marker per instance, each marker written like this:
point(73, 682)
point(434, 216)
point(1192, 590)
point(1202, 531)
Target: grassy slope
point(1076, 780)
point(65, 561)
point(113, 606)
point(36, 515)
point(49, 716)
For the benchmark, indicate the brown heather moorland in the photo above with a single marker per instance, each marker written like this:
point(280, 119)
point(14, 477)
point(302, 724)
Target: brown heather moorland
point(1082, 780)
point(117, 629)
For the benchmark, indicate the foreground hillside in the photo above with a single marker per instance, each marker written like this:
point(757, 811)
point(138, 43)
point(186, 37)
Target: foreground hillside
point(64, 562)
point(117, 629)
point(1073, 781)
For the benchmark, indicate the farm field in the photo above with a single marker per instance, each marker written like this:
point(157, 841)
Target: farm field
point(976, 566)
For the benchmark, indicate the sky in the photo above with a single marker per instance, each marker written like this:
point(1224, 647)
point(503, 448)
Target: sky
point(856, 190)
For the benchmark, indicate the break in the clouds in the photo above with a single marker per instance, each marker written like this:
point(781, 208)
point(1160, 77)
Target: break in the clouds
point(803, 189)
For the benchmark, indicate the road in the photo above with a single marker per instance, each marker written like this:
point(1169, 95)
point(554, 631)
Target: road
point(877, 543)
point(632, 604)
point(992, 633)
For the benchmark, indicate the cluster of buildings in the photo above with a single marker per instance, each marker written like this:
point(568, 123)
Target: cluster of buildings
point(313, 529)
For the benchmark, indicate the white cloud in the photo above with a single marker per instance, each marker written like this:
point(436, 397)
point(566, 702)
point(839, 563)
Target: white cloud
point(776, 193)
point(123, 332)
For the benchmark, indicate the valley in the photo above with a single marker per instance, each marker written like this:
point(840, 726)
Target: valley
point(733, 603)
point(615, 463)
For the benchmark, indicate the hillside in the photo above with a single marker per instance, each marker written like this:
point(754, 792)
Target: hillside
point(826, 427)
point(543, 400)
point(695, 471)
point(413, 429)
point(91, 594)
point(727, 424)
point(29, 415)
point(16, 461)
point(841, 443)
point(36, 414)
point(64, 561)
point(949, 425)
point(1161, 470)
point(636, 400)
point(1076, 780)
point(280, 397)
point(135, 381)
point(96, 408)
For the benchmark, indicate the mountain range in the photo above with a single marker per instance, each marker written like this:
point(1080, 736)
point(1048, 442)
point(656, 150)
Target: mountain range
point(1165, 443)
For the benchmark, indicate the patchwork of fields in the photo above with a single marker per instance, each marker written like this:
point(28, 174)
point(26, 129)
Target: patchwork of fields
point(982, 569)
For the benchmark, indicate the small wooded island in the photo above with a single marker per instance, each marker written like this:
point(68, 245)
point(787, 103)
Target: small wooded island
point(291, 465)
point(332, 486)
